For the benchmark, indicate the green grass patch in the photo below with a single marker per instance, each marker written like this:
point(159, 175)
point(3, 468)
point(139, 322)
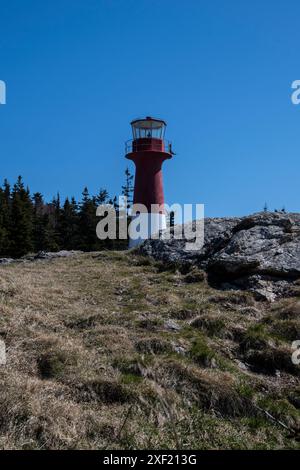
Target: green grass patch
point(200, 352)
point(128, 379)
point(255, 337)
point(211, 326)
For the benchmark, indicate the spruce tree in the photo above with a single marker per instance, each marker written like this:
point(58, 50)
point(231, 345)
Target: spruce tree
point(40, 223)
point(127, 189)
point(5, 219)
point(21, 220)
point(69, 225)
point(4, 225)
point(101, 197)
point(87, 222)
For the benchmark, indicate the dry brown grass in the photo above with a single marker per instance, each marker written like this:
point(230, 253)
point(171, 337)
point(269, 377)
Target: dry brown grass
point(93, 362)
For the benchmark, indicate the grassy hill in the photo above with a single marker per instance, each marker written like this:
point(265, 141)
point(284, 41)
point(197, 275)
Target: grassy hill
point(108, 350)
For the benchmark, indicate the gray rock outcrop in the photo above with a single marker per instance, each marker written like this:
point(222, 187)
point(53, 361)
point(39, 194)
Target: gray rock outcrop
point(41, 255)
point(260, 252)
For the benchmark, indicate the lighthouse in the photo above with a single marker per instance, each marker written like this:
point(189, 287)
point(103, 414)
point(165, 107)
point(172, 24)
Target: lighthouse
point(148, 149)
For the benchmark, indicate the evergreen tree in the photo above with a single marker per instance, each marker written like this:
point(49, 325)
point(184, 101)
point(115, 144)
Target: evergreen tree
point(87, 222)
point(40, 223)
point(54, 227)
point(127, 189)
point(101, 197)
point(4, 224)
point(21, 220)
point(69, 225)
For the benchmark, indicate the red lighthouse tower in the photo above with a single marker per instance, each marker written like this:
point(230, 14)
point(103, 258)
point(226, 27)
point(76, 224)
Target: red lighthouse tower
point(148, 150)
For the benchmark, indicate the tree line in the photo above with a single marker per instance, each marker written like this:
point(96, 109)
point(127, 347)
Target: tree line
point(29, 224)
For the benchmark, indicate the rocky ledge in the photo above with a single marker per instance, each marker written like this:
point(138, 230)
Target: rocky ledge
point(41, 255)
point(260, 252)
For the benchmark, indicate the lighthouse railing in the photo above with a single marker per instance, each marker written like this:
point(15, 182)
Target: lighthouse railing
point(134, 145)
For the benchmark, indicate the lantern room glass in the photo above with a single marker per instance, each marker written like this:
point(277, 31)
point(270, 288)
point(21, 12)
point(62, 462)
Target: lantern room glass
point(148, 129)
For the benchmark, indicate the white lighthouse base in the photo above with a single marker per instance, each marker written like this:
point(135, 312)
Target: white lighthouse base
point(145, 226)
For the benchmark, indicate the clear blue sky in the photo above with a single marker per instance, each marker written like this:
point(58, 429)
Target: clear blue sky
point(219, 72)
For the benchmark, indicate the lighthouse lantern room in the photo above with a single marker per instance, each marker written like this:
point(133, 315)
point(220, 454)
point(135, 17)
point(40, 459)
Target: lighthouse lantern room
point(148, 128)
